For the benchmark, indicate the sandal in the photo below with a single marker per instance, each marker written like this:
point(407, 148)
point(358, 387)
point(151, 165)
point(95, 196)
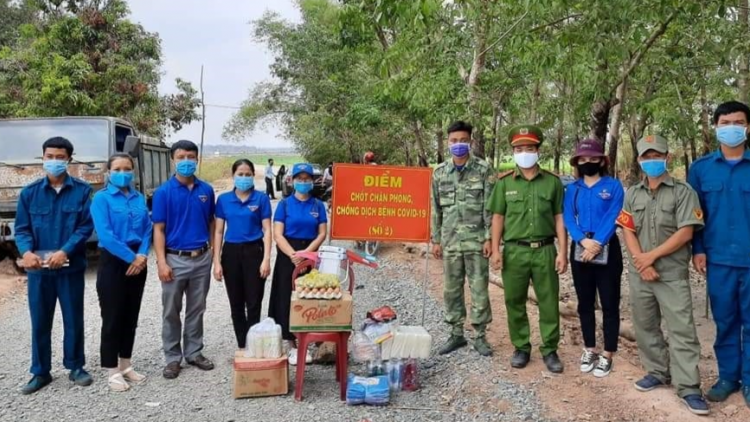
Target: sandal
point(117, 383)
point(131, 376)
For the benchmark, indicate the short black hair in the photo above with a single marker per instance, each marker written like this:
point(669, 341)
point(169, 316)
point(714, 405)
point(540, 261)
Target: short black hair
point(460, 126)
point(243, 161)
point(270, 160)
point(118, 156)
point(58, 142)
point(184, 145)
point(731, 107)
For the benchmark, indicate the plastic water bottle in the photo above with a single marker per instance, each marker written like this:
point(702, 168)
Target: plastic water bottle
point(410, 379)
point(395, 368)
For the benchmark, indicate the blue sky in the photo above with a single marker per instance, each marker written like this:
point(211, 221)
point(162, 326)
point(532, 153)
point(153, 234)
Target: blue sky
point(217, 34)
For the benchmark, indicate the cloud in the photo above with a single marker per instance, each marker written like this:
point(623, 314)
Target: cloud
point(217, 35)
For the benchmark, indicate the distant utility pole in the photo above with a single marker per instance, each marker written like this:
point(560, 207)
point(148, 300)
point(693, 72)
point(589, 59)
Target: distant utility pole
point(203, 122)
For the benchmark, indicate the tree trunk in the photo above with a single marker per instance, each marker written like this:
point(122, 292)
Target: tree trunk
point(492, 147)
point(638, 124)
point(533, 116)
point(419, 141)
point(614, 132)
point(744, 70)
point(477, 68)
point(560, 132)
point(479, 143)
point(440, 138)
point(705, 122)
point(599, 119)
point(685, 155)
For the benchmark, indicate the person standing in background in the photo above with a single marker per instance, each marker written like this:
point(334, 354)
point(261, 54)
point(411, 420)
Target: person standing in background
point(53, 223)
point(242, 255)
point(722, 250)
point(461, 237)
point(592, 204)
point(269, 176)
point(183, 215)
point(124, 229)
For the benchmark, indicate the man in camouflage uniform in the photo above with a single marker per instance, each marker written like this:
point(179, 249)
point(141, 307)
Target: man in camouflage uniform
point(527, 217)
point(461, 235)
point(659, 218)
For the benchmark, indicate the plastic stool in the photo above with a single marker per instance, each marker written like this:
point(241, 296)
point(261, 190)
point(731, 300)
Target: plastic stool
point(341, 338)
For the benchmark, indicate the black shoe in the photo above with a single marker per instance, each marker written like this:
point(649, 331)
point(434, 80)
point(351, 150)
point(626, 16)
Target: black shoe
point(520, 359)
point(80, 377)
point(553, 363)
point(454, 343)
point(172, 370)
point(36, 383)
point(202, 362)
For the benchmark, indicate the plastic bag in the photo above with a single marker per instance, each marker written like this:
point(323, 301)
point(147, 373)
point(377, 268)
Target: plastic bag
point(373, 391)
point(382, 314)
point(378, 332)
point(264, 340)
point(363, 349)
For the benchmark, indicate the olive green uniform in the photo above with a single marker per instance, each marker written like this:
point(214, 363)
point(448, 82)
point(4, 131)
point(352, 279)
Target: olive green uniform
point(655, 217)
point(461, 225)
point(529, 208)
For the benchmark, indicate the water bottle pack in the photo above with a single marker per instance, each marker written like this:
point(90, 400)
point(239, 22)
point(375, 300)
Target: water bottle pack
point(264, 340)
point(374, 391)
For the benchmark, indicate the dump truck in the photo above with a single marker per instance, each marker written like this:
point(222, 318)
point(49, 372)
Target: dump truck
point(94, 140)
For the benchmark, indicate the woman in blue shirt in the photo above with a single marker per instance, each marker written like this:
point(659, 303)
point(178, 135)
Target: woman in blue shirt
point(300, 224)
point(244, 261)
point(124, 228)
point(592, 204)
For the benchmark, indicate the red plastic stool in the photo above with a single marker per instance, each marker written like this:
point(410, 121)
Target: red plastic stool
point(304, 339)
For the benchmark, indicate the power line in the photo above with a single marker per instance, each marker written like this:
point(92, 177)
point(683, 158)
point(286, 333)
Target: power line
point(223, 106)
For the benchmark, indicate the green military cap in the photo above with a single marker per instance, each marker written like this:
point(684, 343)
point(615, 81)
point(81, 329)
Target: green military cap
point(525, 135)
point(652, 142)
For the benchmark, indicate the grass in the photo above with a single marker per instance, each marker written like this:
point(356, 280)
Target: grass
point(216, 168)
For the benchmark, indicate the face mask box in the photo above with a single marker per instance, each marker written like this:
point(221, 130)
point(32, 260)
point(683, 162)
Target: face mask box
point(259, 377)
point(320, 315)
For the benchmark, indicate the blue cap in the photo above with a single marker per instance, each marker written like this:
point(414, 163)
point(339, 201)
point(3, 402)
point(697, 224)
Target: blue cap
point(302, 168)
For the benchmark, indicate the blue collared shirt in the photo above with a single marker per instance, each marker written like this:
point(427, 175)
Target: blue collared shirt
point(724, 193)
point(597, 206)
point(186, 213)
point(244, 219)
point(122, 222)
point(301, 219)
point(50, 221)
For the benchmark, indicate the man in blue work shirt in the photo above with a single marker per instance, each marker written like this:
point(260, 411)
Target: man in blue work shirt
point(722, 250)
point(52, 226)
point(183, 216)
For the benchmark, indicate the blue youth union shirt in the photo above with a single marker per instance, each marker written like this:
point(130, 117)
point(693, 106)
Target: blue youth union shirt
point(122, 222)
point(186, 214)
point(598, 207)
point(244, 219)
point(51, 221)
point(723, 189)
point(301, 218)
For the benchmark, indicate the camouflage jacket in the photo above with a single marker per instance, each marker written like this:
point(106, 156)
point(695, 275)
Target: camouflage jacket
point(460, 218)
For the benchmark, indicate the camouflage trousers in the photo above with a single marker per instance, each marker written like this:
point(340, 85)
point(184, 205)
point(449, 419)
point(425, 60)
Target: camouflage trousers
point(471, 266)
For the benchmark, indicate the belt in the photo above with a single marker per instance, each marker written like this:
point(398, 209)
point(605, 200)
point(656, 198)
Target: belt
point(192, 254)
point(536, 244)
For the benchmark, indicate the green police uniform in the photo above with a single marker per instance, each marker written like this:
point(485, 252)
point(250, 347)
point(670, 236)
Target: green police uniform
point(529, 208)
point(654, 216)
point(461, 224)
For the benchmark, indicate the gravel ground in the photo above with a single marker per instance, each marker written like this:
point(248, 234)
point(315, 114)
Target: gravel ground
point(461, 387)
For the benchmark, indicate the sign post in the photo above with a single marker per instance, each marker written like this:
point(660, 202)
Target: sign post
point(383, 203)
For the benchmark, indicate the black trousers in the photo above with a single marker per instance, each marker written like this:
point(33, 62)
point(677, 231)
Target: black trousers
point(269, 188)
point(589, 279)
point(120, 303)
point(241, 264)
point(281, 289)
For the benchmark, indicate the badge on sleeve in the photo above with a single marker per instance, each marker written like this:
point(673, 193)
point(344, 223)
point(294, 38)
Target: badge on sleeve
point(698, 213)
point(625, 220)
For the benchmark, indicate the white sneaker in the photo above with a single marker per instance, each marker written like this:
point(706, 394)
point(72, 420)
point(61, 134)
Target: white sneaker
point(588, 361)
point(292, 356)
point(604, 367)
point(308, 356)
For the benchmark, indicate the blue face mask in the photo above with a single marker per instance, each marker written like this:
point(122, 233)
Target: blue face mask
point(186, 168)
point(731, 135)
point(654, 168)
point(460, 150)
point(55, 168)
point(121, 179)
point(244, 183)
point(303, 187)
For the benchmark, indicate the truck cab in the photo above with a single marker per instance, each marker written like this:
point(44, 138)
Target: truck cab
point(94, 140)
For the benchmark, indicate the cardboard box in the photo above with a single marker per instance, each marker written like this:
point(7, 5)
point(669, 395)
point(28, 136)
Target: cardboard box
point(319, 315)
point(259, 377)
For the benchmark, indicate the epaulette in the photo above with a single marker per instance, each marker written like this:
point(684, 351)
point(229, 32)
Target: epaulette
point(504, 175)
point(441, 165)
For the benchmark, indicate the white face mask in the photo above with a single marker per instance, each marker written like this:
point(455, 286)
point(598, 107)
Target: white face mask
point(526, 160)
